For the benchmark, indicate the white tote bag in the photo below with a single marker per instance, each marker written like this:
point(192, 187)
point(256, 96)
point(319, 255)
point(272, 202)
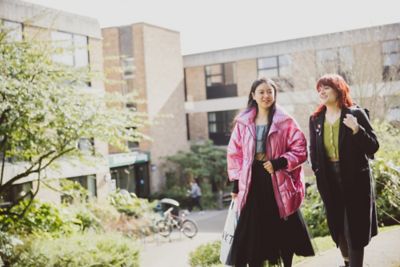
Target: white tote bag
point(228, 233)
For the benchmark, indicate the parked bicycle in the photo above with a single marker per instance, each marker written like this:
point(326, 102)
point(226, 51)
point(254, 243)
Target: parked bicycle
point(169, 222)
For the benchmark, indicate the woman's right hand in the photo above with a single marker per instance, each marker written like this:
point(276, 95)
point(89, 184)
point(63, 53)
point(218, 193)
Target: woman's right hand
point(233, 195)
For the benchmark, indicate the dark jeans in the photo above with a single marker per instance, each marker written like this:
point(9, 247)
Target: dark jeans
point(195, 202)
point(355, 256)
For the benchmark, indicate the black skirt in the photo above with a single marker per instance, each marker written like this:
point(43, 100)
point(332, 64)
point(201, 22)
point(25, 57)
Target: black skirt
point(261, 235)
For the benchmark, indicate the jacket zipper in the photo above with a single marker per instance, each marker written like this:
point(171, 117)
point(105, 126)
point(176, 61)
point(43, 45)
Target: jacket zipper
point(275, 184)
point(250, 173)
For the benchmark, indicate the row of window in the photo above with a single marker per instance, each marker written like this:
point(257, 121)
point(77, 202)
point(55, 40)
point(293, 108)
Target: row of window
point(25, 190)
point(221, 78)
point(133, 178)
point(71, 49)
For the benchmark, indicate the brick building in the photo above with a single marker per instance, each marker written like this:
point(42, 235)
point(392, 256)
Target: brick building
point(146, 60)
point(218, 82)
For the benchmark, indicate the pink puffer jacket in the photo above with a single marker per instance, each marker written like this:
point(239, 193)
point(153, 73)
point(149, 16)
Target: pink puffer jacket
point(285, 139)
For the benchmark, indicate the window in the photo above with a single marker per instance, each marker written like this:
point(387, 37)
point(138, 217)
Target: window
point(17, 192)
point(219, 126)
point(336, 60)
point(391, 60)
point(73, 49)
point(393, 114)
point(86, 146)
point(187, 127)
point(81, 54)
point(15, 30)
point(221, 80)
point(278, 69)
point(132, 145)
point(128, 67)
point(88, 182)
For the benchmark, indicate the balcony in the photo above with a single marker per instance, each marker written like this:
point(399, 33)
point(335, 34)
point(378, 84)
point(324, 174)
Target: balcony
point(221, 91)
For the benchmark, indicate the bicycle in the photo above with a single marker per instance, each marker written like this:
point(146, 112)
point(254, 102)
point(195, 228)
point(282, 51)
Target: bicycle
point(169, 221)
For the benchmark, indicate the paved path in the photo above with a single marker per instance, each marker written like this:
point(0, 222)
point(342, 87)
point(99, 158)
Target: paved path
point(158, 251)
point(175, 252)
point(383, 251)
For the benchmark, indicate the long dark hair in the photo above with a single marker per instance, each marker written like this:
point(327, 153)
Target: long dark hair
point(251, 103)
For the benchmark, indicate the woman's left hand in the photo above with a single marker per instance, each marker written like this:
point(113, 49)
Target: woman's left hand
point(268, 166)
point(351, 122)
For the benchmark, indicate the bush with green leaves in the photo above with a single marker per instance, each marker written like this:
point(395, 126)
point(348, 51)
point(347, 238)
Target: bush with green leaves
point(130, 204)
point(206, 255)
point(38, 218)
point(386, 173)
point(202, 161)
point(387, 188)
point(78, 251)
point(7, 244)
point(205, 162)
point(314, 212)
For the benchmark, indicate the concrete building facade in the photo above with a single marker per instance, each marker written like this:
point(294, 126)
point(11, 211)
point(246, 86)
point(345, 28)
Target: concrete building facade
point(218, 82)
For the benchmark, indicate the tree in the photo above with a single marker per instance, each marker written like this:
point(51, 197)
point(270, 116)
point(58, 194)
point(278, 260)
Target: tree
point(44, 112)
point(202, 161)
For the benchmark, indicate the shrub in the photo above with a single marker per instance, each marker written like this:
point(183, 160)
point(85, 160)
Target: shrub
point(206, 255)
point(38, 218)
point(130, 204)
point(387, 191)
point(78, 250)
point(7, 244)
point(314, 212)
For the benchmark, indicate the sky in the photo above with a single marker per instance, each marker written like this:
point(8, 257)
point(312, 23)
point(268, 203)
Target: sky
point(207, 25)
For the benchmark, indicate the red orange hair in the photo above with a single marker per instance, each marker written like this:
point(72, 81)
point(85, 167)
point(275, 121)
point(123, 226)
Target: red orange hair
point(337, 83)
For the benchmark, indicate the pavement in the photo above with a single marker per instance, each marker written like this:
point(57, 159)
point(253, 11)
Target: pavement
point(157, 251)
point(173, 251)
point(382, 251)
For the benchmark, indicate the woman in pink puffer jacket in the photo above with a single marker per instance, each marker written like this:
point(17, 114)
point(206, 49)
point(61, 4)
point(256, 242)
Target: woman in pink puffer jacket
point(264, 155)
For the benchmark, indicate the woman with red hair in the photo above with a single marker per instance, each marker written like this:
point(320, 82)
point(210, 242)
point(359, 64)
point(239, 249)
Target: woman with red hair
point(341, 143)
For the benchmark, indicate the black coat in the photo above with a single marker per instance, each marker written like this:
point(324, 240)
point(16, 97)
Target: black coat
point(358, 192)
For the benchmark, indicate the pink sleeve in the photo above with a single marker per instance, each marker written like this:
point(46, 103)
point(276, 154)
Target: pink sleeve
point(235, 154)
point(296, 152)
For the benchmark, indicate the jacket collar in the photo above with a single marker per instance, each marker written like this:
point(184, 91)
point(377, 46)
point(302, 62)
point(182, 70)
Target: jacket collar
point(248, 116)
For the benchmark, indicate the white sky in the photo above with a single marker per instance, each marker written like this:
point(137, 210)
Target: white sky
point(207, 25)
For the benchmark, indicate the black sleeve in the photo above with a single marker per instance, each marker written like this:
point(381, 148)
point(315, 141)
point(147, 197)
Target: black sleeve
point(365, 137)
point(279, 163)
point(312, 146)
point(235, 186)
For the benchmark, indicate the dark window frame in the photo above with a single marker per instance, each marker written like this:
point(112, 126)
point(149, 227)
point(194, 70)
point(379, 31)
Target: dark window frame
point(223, 124)
point(221, 89)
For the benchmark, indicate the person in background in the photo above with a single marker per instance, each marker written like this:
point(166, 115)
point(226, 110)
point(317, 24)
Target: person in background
point(264, 158)
point(341, 143)
point(195, 195)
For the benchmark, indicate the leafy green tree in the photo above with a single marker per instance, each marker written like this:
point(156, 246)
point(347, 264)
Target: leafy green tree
point(202, 161)
point(45, 109)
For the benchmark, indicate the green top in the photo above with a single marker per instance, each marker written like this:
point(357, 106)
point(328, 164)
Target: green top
point(331, 139)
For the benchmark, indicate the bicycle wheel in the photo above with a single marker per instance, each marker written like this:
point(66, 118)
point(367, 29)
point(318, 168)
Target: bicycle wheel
point(163, 228)
point(189, 228)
